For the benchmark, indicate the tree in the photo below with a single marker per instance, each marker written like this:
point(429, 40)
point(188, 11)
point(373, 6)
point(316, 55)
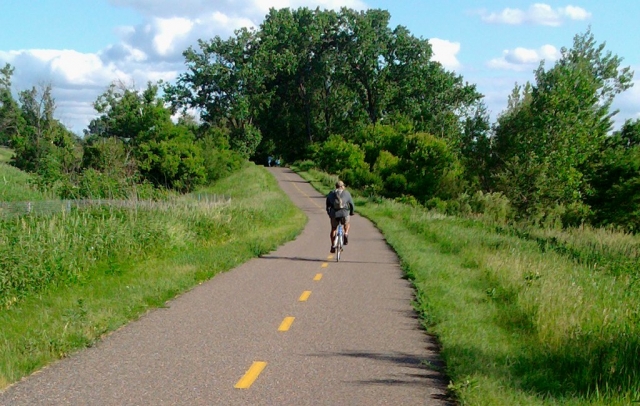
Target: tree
point(616, 179)
point(11, 121)
point(43, 145)
point(220, 82)
point(165, 153)
point(549, 137)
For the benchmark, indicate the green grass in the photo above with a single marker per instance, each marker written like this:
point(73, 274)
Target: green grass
point(97, 270)
point(524, 317)
point(14, 184)
point(5, 155)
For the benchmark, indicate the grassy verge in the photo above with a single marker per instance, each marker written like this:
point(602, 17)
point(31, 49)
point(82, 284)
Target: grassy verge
point(14, 184)
point(5, 155)
point(541, 318)
point(84, 299)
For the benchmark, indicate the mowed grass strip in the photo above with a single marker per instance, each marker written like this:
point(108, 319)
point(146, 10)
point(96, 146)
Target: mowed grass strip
point(187, 248)
point(519, 323)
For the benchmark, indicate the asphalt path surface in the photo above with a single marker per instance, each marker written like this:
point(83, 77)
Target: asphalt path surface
point(293, 327)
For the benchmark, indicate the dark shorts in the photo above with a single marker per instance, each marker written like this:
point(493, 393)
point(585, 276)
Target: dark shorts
point(338, 220)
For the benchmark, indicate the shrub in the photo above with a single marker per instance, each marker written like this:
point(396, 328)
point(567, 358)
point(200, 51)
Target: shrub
point(336, 154)
point(305, 165)
point(369, 183)
point(493, 206)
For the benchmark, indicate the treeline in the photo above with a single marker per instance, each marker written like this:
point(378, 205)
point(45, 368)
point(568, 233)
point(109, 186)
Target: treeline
point(353, 96)
point(344, 91)
point(133, 149)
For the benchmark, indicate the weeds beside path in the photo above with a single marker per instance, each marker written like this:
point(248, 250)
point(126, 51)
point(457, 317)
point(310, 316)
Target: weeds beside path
point(519, 322)
point(181, 250)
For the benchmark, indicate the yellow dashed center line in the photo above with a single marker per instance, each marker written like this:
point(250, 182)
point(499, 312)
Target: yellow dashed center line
point(252, 374)
point(306, 195)
point(324, 265)
point(318, 277)
point(305, 295)
point(330, 257)
point(286, 324)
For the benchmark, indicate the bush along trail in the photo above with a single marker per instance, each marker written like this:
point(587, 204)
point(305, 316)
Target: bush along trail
point(68, 279)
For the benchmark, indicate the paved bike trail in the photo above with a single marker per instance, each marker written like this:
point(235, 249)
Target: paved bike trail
point(355, 340)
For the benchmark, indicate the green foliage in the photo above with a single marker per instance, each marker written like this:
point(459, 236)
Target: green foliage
point(495, 207)
point(336, 155)
point(321, 72)
point(305, 165)
point(174, 163)
point(547, 140)
point(426, 164)
point(11, 120)
point(245, 140)
point(616, 180)
point(128, 114)
point(361, 178)
point(219, 161)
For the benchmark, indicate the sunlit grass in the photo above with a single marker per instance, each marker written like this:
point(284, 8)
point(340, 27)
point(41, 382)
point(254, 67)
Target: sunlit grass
point(14, 183)
point(5, 155)
point(97, 270)
point(524, 316)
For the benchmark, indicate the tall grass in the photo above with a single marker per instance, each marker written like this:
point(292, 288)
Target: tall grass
point(87, 273)
point(524, 317)
point(5, 155)
point(15, 185)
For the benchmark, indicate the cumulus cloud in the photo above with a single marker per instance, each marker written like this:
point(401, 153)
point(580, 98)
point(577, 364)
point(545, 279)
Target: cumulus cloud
point(519, 59)
point(536, 14)
point(628, 103)
point(445, 52)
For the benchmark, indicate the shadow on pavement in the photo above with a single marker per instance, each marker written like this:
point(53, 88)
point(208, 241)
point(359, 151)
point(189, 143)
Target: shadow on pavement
point(423, 369)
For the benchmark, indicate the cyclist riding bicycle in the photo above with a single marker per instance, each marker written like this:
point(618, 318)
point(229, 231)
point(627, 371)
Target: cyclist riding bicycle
point(339, 207)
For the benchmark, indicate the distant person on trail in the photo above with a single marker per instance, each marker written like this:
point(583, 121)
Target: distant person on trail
point(339, 207)
point(269, 160)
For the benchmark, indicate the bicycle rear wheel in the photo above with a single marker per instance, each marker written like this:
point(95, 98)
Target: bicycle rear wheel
point(339, 238)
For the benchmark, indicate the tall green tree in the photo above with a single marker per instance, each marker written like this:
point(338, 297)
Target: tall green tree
point(223, 84)
point(549, 137)
point(43, 145)
point(616, 179)
point(11, 121)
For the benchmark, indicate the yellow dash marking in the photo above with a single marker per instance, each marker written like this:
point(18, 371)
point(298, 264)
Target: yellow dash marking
point(305, 295)
point(286, 324)
point(318, 277)
point(252, 374)
point(330, 257)
point(324, 265)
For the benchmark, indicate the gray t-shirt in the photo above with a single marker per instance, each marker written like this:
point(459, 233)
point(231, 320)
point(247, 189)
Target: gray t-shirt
point(347, 201)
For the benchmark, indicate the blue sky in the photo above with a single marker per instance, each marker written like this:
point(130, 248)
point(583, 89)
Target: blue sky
point(81, 46)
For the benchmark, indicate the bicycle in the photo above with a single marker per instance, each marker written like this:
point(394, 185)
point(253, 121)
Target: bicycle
point(338, 241)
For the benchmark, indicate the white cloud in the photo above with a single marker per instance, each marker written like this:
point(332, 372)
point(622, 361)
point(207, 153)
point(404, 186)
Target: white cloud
point(445, 52)
point(537, 14)
point(628, 103)
point(169, 30)
point(520, 59)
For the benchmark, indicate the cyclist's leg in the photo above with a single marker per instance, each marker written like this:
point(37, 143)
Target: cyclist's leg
point(332, 235)
point(347, 225)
